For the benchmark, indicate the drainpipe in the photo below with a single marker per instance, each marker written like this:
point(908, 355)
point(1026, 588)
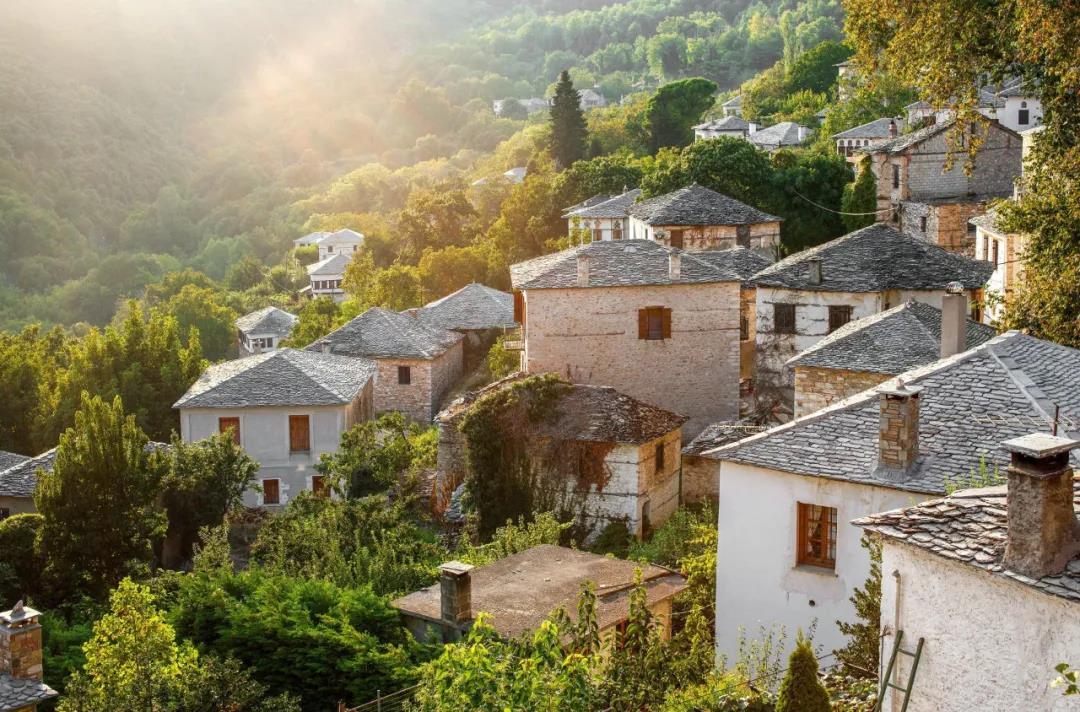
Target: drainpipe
point(896, 628)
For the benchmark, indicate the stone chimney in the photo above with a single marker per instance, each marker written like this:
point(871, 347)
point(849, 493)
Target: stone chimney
point(814, 264)
point(898, 435)
point(583, 270)
point(674, 265)
point(1043, 535)
point(892, 128)
point(953, 320)
point(455, 583)
point(20, 643)
point(752, 128)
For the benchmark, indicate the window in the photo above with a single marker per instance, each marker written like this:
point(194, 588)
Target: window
point(922, 224)
point(742, 235)
point(5, 512)
point(994, 251)
point(1023, 117)
point(329, 248)
point(895, 177)
point(271, 491)
point(744, 327)
point(226, 425)
point(616, 232)
point(597, 234)
point(299, 433)
point(404, 375)
point(519, 307)
point(654, 323)
point(784, 318)
point(676, 238)
point(838, 316)
point(318, 486)
point(816, 536)
point(659, 458)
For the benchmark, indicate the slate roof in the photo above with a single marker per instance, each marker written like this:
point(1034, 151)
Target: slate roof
point(878, 128)
point(726, 123)
point(718, 434)
point(740, 260)
point(698, 205)
point(785, 133)
point(585, 413)
point(617, 206)
point(734, 102)
point(617, 263)
point(971, 527)
point(875, 259)
point(1015, 87)
point(21, 479)
point(520, 591)
point(473, 307)
point(268, 320)
point(310, 239)
point(286, 377)
point(906, 140)
point(10, 459)
point(598, 198)
point(16, 693)
point(892, 341)
point(969, 405)
point(335, 264)
point(381, 333)
point(343, 235)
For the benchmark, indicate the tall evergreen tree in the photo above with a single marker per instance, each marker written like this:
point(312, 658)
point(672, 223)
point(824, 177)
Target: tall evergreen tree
point(862, 652)
point(568, 129)
point(801, 690)
point(860, 199)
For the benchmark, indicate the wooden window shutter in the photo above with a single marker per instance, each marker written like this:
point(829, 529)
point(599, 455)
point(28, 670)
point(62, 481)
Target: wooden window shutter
point(666, 322)
point(519, 307)
point(271, 492)
point(643, 323)
point(299, 433)
point(232, 425)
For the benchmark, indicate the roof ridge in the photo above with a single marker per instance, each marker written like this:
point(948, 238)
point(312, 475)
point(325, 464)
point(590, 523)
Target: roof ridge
point(305, 373)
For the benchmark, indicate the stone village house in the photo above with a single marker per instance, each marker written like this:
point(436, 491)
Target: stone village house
point(924, 200)
point(519, 592)
point(786, 555)
point(417, 364)
point(696, 218)
point(21, 671)
point(326, 276)
point(989, 581)
point(602, 217)
point(263, 330)
point(637, 471)
point(477, 312)
point(868, 351)
point(851, 143)
point(286, 409)
point(18, 478)
point(729, 125)
point(656, 323)
point(805, 297)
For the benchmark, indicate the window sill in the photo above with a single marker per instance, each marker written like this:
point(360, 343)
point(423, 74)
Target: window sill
point(816, 570)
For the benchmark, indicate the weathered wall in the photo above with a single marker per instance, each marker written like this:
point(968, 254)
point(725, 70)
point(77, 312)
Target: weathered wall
point(1008, 269)
point(764, 237)
point(991, 643)
point(431, 381)
point(758, 582)
point(264, 435)
point(946, 223)
point(816, 387)
point(598, 229)
point(701, 478)
point(591, 336)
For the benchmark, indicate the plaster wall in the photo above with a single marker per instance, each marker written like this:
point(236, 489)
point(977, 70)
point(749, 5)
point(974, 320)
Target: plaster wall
point(997, 655)
point(758, 581)
point(17, 505)
point(591, 336)
point(1009, 115)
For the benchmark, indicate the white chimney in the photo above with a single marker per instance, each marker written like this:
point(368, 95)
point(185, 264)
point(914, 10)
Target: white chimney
point(752, 128)
point(1043, 534)
point(803, 132)
point(674, 265)
point(583, 270)
point(953, 320)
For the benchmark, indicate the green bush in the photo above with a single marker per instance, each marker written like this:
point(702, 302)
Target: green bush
point(20, 566)
point(801, 690)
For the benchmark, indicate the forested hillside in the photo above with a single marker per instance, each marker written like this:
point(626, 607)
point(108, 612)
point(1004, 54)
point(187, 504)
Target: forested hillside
point(137, 139)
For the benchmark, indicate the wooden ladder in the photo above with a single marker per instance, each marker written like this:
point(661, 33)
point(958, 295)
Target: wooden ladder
point(886, 681)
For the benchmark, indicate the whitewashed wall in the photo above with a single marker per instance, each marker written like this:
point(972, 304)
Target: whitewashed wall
point(991, 644)
point(758, 582)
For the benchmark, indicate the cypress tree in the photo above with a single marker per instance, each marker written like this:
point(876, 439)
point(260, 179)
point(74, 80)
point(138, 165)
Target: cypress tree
point(860, 196)
point(801, 690)
point(568, 130)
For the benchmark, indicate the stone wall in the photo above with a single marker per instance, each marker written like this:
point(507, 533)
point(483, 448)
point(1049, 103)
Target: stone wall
point(946, 223)
point(701, 478)
point(816, 387)
point(431, 380)
point(763, 237)
point(591, 336)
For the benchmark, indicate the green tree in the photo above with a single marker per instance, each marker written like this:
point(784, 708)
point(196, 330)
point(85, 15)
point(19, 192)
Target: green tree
point(666, 55)
point(801, 689)
point(815, 69)
point(947, 48)
point(317, 318)
point(860, 199)
point(20, 564)
point(861, 654)
point(24, 361)
point(213, 321)
point(568, 128)
point(727, 165)
point(674, 109)
point(203, 482)
point(98, 503)
point(374, 455)
point(447, 270)
point(513, 109)
point(244, 274)
point(501, 362)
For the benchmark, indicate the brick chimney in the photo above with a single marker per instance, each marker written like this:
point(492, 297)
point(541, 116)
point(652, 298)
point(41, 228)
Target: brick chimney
point(814, 264)
point(455, 585)
point(583, 270)
point(674, 265)
point(1043, 535)
point(20, 643)
point(954, 306)
point(898, 435)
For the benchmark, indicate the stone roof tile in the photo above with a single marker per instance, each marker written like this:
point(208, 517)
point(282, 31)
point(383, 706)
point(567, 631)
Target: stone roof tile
point(613, 207)
point(17, 693)
point(473, 307)
point(268, 320)
point(698, 205)
point(381, 333)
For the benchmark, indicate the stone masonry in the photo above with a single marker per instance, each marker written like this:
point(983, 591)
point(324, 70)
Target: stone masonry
point(816, 388)
point(431, 380)
point(899, 428)
point(946, 223)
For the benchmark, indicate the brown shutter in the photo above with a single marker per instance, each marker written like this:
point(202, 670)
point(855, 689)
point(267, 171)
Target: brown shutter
point(299, 434)
point(226, 425)
point(519, 307)
point(643, 323)
point(666, 322)
point(271, 492)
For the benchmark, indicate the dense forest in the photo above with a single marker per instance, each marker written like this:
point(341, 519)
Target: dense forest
point(137, 141)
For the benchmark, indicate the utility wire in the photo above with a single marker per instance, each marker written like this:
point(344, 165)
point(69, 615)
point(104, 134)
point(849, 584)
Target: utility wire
point(841, 212)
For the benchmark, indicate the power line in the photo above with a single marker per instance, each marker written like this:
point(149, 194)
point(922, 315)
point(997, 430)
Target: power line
point(841, 212)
